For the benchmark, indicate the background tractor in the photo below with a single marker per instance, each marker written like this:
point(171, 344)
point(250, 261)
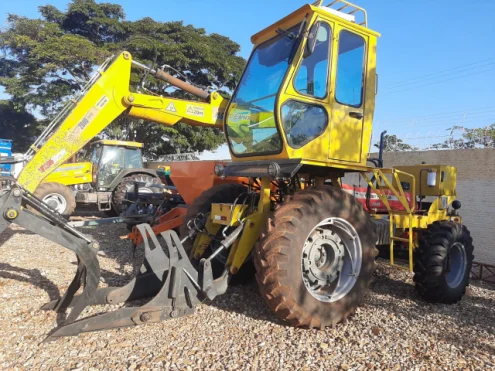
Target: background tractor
point(297, 123)
point(111, 171)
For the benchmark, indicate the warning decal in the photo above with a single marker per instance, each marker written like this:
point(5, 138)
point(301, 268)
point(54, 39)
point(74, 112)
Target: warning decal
point(195, 110)
point(171, 108)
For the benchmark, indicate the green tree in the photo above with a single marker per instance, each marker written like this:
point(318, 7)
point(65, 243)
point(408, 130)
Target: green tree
point(394, 143)
point(18, 125)
point(45, 60)
point(470, 138)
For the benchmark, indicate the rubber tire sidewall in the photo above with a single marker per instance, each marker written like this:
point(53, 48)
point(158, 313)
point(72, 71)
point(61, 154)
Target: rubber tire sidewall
point(119, 193)
point(430, 261)
point(45, 189)
point(278, 257)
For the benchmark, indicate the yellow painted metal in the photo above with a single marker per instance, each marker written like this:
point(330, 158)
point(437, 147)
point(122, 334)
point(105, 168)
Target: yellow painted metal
point(97, 108)
point(345, 142)
point(227, 214)
point(446, 179)
point(119, 143)
point(411, 218)
point(168, 111)
point(254, 224)
point(202, 240)
point(107, 99)
point(71, 174)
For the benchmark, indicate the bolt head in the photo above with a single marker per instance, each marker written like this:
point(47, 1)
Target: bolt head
point(126, 55)
point(17, 193)
point(145, 317)
point(130, 98)
point(11, 213)
point(173, 314)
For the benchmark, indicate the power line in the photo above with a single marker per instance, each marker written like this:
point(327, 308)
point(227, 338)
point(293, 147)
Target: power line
point(439, 73)
point(392, 91)
point(439, 121)
point(450, 113)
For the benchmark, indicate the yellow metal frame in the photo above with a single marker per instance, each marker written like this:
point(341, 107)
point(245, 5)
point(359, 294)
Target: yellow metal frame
point(119, 143)
point(409, 219)
point(105, 100)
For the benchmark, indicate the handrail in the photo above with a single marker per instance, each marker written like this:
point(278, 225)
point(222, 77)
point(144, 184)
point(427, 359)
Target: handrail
point(345, 7)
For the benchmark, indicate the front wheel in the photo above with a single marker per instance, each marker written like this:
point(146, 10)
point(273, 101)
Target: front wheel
point(59, 197)
point(442, 262)
point(316, 258)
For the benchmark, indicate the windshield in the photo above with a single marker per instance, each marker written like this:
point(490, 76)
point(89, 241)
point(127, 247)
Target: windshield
point(115, 159)
point(251, 125)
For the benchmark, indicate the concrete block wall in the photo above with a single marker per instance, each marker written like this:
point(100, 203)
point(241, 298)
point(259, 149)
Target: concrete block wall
point(475, 190)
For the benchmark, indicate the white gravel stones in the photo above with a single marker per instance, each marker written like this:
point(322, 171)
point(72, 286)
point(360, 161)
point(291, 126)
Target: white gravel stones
point(393, 329)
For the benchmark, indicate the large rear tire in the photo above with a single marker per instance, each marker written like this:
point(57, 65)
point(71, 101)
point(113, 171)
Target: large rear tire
point(306, 250)
point(443, 261)
point(127, 184)
point(58, 196)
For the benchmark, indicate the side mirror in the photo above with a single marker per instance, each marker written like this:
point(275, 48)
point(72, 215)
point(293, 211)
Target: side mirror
point(311, 41)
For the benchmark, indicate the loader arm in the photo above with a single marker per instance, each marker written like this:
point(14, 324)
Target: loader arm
point(107, 97)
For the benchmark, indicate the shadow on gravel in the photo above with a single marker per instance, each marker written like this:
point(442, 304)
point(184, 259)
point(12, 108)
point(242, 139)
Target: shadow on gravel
point(245, 300)
point(9, 232)
point(473, 312)
point(33, 277)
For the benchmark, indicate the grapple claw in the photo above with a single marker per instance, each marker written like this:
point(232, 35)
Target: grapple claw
point(166, 275)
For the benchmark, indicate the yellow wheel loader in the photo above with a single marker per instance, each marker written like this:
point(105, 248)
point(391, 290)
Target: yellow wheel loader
point(299, 120)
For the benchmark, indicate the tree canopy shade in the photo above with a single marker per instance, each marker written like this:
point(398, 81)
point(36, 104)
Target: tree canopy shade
point(18, 125)
point(45, 59)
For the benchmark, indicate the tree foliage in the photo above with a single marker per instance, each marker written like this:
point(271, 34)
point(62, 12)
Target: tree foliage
point(45, 59)
point(470, 138)
point(394, 143)
point(18, 125)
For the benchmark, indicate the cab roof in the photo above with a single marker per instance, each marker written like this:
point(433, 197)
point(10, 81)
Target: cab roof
point(338, 10)
point(118, 143)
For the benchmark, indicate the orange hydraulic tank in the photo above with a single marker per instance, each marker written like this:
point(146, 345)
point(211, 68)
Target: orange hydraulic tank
point(194, 177)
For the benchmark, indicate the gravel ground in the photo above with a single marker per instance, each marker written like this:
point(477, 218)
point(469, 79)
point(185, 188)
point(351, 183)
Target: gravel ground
point(393, 330)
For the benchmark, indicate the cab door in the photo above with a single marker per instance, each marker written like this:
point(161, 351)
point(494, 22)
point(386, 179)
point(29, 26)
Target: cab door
point(347, 99)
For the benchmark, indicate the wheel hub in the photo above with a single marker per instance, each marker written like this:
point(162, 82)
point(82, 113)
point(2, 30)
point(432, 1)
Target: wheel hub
point(331, 259)
point(457, 265)
point(56, 202)
point(323, 257)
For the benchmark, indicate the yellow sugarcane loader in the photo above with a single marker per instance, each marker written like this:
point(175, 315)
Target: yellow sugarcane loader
point(298, 121)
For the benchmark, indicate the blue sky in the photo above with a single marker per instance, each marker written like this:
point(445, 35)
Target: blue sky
point(436, 59)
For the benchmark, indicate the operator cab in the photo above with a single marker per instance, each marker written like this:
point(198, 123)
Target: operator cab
point(110, 157)
point(308, 90)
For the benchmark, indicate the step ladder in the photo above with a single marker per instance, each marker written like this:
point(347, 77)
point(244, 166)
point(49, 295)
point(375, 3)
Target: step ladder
point(383, 183)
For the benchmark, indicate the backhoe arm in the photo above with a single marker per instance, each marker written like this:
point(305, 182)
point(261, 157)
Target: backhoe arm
point(104, 99)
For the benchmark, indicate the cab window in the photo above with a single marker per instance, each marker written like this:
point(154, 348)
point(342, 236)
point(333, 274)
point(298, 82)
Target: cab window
point(350, 69)
point(312, 76)
point(303, 122)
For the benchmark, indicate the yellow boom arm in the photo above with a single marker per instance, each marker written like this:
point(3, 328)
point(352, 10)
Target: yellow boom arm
point(107, 98)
